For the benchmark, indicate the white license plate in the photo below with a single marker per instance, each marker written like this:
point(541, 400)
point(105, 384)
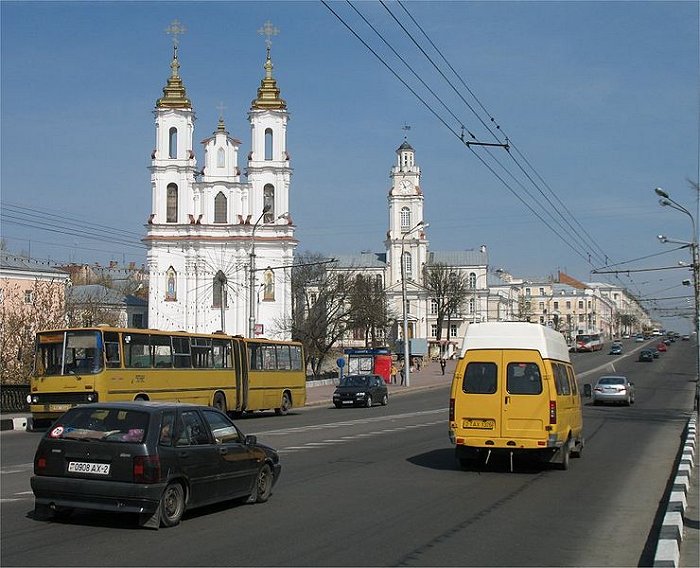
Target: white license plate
point(479, 423)
point(59, 407)
point(86, 467)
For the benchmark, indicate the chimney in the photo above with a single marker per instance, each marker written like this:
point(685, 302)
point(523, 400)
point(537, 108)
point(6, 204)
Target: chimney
point(482, 248)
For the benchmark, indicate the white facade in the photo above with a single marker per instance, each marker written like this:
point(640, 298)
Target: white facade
point(207, 226)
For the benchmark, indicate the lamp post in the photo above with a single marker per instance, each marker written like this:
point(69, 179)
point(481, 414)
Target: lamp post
point(251, 276)
point(404, 301)
point(666, 201)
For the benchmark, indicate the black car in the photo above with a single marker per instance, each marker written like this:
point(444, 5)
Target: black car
point(361, 390)
point(154, 459)
point(646, 355)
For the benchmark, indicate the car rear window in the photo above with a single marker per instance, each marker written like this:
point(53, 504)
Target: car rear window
point(523, 378)
point(480, 378)
point(106, 424)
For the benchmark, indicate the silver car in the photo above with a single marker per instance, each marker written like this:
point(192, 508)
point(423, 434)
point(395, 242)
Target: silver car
point(613, 388)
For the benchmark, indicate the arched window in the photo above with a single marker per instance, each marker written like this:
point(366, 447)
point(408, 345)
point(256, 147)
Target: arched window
point(405, 218)
point(172, 143)
point(219, 291)
point(171, 213)
point(220, 208)
point(220, 158)
point(471, 305)
point(269, 285)
point(408, 265)
point(170, 285)
point(269, 203)
point(472, 280)
point(268, 143)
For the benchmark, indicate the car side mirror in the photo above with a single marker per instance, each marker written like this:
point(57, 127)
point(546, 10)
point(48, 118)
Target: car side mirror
point(587, 391)
point(251, 440)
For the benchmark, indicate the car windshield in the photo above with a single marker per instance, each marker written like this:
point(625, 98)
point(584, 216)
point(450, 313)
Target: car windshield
point(354, 381)
point(105, 424)
point(612, 381)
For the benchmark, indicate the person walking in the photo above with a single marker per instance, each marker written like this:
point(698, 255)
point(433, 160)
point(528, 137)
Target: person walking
point(403, 373)
point(443, 363)
point(394, 370)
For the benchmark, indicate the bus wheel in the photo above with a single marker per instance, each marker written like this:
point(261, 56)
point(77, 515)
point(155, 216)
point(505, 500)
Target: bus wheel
point(141, 397)
point(220, 402)
point(286, 405)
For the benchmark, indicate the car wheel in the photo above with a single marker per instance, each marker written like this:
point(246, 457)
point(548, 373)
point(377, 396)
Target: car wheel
point(220, 402)
point(263, 485)
point(368, 401)
point(577, 449)
point(338, 404)
point(565, 455)
point(385, 399)
point(286, 405)
point(596, 403)
point(172, 505)
point(628, 402)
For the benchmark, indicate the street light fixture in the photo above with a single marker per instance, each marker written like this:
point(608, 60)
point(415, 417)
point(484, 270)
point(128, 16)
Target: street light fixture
point(404, 301)
point(251, 276)
point(666, 201)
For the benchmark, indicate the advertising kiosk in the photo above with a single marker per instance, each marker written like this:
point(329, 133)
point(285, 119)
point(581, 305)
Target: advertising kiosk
point(369, 361)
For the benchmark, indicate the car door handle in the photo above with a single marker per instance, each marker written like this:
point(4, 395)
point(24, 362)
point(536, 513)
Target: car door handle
point(507, 400)
point(223, 451)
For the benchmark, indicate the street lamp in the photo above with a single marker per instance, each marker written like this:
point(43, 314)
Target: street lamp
point(251, 276)
point(666, 201)
point(406, 351)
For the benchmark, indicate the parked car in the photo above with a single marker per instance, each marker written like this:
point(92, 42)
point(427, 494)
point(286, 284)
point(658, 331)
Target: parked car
point(662, 347)
point(361, 390)
point(613, 388)
point(616, 349)
point(154, 459)
point(685, 337)
point(646, 355)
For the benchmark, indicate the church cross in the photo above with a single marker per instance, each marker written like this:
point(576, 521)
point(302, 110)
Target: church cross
point(175, 29)
point(221, 108)
point(268, 30)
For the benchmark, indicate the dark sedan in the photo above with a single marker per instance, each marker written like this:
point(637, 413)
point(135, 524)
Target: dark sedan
point(154, 459)
point(646, 355)
point(361, 390)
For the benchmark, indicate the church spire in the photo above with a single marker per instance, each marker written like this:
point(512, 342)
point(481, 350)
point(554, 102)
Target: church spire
point(174, 95)
point(268, 93)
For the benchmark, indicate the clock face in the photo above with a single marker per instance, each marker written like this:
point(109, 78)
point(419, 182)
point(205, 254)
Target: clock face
point(406, 186)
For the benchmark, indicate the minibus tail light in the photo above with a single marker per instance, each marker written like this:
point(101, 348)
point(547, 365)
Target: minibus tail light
point(552, 411)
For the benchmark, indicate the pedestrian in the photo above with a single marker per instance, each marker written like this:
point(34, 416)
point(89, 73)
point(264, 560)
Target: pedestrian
point(394, 370)
point(443, 363)
point(403, 373)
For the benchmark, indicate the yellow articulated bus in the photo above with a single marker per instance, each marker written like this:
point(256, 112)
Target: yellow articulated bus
point(232, 373)
point(514, 391)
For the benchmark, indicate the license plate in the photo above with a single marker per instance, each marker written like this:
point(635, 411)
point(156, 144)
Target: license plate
point(479, 423)
point(87, 467)
point(59, 407)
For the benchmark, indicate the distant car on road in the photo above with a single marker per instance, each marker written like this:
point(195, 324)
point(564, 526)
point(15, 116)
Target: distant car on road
point(655, 353)
point(662, 347)
point(613, 388)
point(361, 390)
point(685, 337)
point(153, 459)
point(616, 349)
point(639, 339)
point(646, 355)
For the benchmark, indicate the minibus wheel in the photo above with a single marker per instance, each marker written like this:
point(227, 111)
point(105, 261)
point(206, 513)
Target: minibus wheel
point(565, 451)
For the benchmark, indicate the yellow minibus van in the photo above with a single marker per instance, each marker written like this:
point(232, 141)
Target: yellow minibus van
point(514, 391)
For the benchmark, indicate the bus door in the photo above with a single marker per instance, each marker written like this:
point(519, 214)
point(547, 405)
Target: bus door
point(240, 366)
point(526, 396)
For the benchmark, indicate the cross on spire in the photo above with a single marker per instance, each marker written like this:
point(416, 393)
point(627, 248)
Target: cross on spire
point(405, 128)
point(221, 108)
point(175, 29)
point(268, 30)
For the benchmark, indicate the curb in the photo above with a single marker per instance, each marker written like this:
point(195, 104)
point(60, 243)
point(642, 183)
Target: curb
point(671, 535)
point(20, 423)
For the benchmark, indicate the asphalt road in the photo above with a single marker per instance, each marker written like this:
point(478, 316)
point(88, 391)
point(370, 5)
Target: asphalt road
point(380, 486)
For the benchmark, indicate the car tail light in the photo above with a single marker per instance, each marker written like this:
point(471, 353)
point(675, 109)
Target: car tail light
point(552, 411)
point(40, 465)
point(452, 410)
point(146, 469)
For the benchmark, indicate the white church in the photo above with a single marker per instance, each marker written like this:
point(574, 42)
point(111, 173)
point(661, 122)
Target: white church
point(220, 246)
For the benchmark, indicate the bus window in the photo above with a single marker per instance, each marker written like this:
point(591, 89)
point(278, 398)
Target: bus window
point(295, 351)
point(112, 355)
point(83, 352)
point(201, 353)
point(480, 378)
point(221, 353)
point(269, 360)
point(255, 356)
point(136, 350)
point(49, 354)
point(162, 351)
point(283, 361)
point(181, 352)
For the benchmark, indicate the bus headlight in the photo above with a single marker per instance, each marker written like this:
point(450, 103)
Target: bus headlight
point(92, 397)
point(32, 399)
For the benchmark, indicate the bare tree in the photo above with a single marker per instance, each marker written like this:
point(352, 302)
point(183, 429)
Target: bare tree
point(448, 288)
point(368, 309)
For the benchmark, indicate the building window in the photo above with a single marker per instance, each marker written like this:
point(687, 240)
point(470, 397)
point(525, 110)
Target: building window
point(172, 143)
point(580, 318)
point(170, 285)
point(541, 305)
point(453, 330)
point(556, 305)
point(541, 291)
point(433, 307)
point(472, 280)
point(171, 213)
point(268, 143)
point(220, 208)
point(433, 330)
point(220, 158)
point(405, 219)
point(580, 305)
point(378, 282)
point(408, 265)
point(568, 304)
point(471, 305)
point(219, 291)
point(137, 321)
point(269, 203)
point(527, 292)
point(269, 286)
point(28, 296)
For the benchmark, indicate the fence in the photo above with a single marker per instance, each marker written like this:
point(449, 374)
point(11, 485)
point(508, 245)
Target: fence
point(14, 398)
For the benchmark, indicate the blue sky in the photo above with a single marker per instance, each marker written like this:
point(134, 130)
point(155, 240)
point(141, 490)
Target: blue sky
point(599, 98)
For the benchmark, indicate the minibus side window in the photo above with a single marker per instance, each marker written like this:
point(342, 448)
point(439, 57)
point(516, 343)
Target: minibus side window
point(480, 378)
point(523, 378)
point(561, 380)
point(572, 380)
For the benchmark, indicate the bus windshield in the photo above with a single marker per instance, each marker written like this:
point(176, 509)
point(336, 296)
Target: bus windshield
point(69, 353)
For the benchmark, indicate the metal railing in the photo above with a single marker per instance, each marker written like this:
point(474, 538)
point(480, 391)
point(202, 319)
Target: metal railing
point(14, 398)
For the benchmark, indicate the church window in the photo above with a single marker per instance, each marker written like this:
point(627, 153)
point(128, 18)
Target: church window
point(472, 280)
point(405, 218)
point(170, 285)
point(408, 265)
point(471, 305)
point(268, 143)
point(172, 143)
point(171, 214)
point(269, 203)
point(220, 158)
point(219, 291)
point(220, 208)
point(433, 307)
point(269, 285)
